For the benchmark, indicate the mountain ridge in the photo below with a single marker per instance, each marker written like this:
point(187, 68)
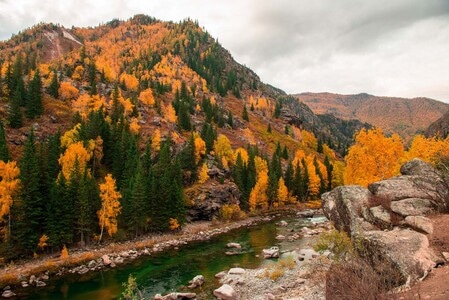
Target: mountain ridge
point(393, 114)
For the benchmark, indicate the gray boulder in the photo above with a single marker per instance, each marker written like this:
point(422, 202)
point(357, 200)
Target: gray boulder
point(418, 167)
point(405, 186)
point(380, 216)
point(406, 251)
point(343, 206)
point(413, 207)
point(420, 223)
point(225, 292)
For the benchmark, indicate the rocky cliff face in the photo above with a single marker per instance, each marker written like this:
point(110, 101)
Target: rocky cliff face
point(388, 219)
point(206, 200)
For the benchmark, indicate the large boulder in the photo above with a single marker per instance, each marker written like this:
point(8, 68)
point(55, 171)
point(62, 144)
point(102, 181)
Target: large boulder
point(206, 200)
point(413, 207)
point(420, 223)
point(418, 167)
point(406, 251)
point(343, 205)
point(405, 186)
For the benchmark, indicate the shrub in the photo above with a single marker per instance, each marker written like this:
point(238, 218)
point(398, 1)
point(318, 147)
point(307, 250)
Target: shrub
point(335, 241)
point(231, 212)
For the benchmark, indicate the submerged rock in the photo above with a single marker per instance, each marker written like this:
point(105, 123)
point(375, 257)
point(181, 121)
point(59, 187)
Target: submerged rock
point(197, 281)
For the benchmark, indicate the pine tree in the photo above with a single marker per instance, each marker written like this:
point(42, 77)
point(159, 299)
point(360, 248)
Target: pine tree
point(53, 88)
point(269, 128)
point(33, 202)
point(320, 146)
point(139, 209)
point(288, 177)
point(34, 104)
point(60, 216)
point(14, 111)
point(4, 151)
point(230, 119)
point(245, 115)
point(285, 153)
point(329, 169)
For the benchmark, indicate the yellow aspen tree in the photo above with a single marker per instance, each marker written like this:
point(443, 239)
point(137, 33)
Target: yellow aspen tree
point(261, 165)
point(146, 97)
point(373, 157)
point(222, 148)
point(258, 198)
point(131, 82)
point(67, 91)
point(203, 175)
point(74, 154)
point(9, 185)
point(134, 126)
point(169, 113)
point(243, 154)
point(156, 141)
point(64, 253)
point(282, 194)
point(110, 206)
point(314, 179)
point(200, 147)
point(71, 136)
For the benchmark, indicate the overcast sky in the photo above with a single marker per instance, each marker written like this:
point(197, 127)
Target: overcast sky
point(381, 47)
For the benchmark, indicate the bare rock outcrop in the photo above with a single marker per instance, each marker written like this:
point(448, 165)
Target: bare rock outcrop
point(389, 219)
point(343, 206)
point(207, 199)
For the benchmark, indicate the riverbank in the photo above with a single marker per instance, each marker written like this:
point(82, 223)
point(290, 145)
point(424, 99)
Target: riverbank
point(37, 272)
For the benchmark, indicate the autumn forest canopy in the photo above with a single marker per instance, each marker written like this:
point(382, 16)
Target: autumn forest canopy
point(103, 129)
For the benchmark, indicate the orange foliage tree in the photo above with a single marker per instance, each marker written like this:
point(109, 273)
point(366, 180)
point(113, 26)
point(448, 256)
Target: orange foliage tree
point(67, 91)
point(110, 206)
point(146, 97)
point(9, 184)
point(75, 156)
point(373, 157)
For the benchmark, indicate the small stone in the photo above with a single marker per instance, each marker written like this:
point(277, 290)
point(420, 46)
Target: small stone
point(197, 281)
point(106, 260)
point(236, 271)
point(40, 283)
point(24, 284)
point(8, 294)
point(283, 223)
point(32, 279)
point(220, 274)
point(44, 277)
point(92, 264)
point(234, 245)
point(280, 237)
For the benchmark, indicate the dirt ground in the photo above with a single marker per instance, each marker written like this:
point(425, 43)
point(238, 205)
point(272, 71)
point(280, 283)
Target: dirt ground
point(436, 285)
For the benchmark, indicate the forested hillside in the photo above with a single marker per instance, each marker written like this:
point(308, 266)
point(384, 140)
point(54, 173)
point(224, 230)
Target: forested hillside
point(103, 129)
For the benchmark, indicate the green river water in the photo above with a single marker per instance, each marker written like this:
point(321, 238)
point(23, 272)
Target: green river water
point(171, 270)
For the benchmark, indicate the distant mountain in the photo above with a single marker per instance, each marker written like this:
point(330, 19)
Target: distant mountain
point(403, 116)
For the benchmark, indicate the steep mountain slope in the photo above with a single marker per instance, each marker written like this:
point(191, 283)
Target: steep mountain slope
point(404, 116)
point(440, 127)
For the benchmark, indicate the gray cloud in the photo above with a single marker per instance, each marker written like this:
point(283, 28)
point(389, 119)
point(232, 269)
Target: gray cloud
point(383, 47)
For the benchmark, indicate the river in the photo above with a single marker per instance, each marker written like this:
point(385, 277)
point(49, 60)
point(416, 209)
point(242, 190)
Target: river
point(171, 270)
